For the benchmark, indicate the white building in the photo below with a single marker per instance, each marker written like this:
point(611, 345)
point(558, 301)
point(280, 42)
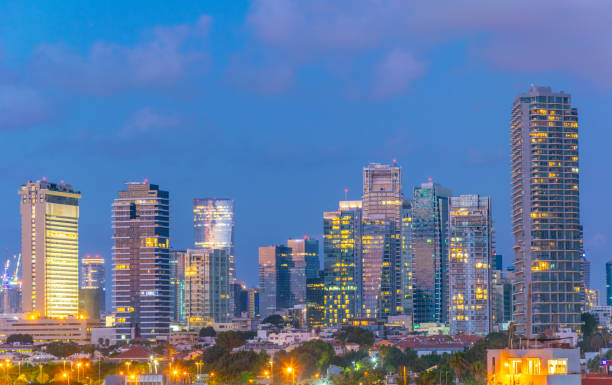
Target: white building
point(547, 366)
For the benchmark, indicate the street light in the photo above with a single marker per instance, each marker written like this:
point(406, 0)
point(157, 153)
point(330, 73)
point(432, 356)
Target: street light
point(66, 377)
point(291, 371)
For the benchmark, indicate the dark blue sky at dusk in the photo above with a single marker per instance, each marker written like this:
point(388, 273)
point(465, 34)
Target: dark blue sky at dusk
point(280, 103)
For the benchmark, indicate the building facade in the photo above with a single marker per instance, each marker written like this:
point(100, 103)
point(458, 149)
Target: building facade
point(213, 227)
point(315, 301)
point(50, 248)
point(141, 261)
point(470, 257)
point(207, 287)
point(275, 264)
point(429, 250)
point(342, 231)
point(306, 265)
point(609, 283)
point(545, 212)
point(92, 277)
point(177, 286)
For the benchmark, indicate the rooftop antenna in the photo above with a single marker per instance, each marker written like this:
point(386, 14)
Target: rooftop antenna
point(345, 194)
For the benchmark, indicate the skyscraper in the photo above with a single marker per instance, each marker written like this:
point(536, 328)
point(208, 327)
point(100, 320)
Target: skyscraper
point(213, 226)
point(429, 248)
point(141, 261)
point(275, 266)
point(342, 230)
point(381, 289)
point(545, 212)
point(177, 285)
point(305, 256)
point(470, 257)
point(92, 278)
point(315, 301)
point(609, 283)
point(50, 248)
point(207, 287)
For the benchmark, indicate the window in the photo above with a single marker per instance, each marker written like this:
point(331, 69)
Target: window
point(533, 365)
point(557, 366)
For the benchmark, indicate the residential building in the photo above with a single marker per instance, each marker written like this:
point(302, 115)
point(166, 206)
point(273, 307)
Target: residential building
point(213, 227)
point(275, 264)
point(545, 212)
point(603, 315)
point(547, 366)
point(207, 287)
point(92, 277)
point(177, 286)
point(342, 231)
point(429, 249)
point(50, 248)
point(141, 261)
point(253, 303)
point(469, 270)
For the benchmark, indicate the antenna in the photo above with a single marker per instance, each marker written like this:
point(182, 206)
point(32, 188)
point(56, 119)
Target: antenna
point(346, 194)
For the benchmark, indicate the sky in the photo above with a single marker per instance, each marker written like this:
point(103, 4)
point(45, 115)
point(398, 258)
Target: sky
point(280, 103)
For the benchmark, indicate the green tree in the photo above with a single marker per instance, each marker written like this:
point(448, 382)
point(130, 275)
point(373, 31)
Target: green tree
point(458, 363)
point(354, 334)
point(62, 349)
point(230, 339)
point(21, 338)
point(393, 359)
point(208, 331)
point(213, 354)
point(479, 372)
point(275, 320)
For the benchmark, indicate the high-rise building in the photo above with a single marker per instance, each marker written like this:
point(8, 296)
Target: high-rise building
point(429, 248)
point(305, 255)
point(315, 301)
point(545, 212)
point(177, 286)
point(213, 227)
point(207, 287)
point(609, 283)
point(253, 304)
point(10, 292)
point(469, 270)
point(275, 264)
point(241, 298)
point(50, 248)
point(92, 278)
point(585, 269)
point(342, 231)
point(381, 287)
point(141, 261)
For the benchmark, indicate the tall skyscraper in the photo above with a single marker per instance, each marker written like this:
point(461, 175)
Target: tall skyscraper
point(429, 247)
point(92, 278)
point(50, 248)
point(177, 285)
point(305, 256)
point(381, 289)
point(609, 283)
point(315, 301)
point(275, 264)
point(545, 212)
point(207, 287)
point(213, 226)
point(342, 231)
point(470, 257)
point(141, 261)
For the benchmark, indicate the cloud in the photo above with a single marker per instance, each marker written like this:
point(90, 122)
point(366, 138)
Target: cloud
point(146, 120)
point(517, 36)
point(164, 57)
point(22, 107)
point(395, 73)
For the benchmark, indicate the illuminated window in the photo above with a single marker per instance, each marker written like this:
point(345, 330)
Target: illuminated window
point(558, 366)
point(516, 366)
point(533, 365)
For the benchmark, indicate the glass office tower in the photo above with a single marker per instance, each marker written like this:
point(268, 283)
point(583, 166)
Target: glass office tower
point(429, 249)
point(342, 231)
point(141, 262)
point(609, 283)
point(470, 257)
point(92, 279)
point(213, 227)
point(275, 264)
point(50, 248)
point(545, 212)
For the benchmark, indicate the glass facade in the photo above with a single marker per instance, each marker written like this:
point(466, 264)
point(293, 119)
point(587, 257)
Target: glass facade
point(342, 230)
point(141, 262)
point(92, 277)
point(177, 286)
point(469, 270)
point(50, 249)
point(609, 283)
point(428, 233)
point(275, 264)
point(545, 212)
point(213, 227)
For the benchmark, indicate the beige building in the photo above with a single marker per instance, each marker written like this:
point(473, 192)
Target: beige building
point(547, 366)
point(45, 330)
point(50, 248)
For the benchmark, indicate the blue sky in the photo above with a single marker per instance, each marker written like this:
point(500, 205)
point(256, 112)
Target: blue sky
point(280, 103)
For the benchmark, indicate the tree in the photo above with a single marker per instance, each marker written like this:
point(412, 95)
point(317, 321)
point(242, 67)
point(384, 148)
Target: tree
point(230, 339)
point(208, 331)
point(357, 335)
point(479, 372)
point(458, 363)
point(25, 339)
point(62, 349)
point(314, 357)
point(275, 320)
point(393, 359)
point(213, 354)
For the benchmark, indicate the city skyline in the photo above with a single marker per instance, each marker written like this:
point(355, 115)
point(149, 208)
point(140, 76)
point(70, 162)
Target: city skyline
point(269, 157)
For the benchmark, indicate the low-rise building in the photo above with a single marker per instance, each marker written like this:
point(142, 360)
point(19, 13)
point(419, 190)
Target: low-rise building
point(546, 366)
point(45, 330)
